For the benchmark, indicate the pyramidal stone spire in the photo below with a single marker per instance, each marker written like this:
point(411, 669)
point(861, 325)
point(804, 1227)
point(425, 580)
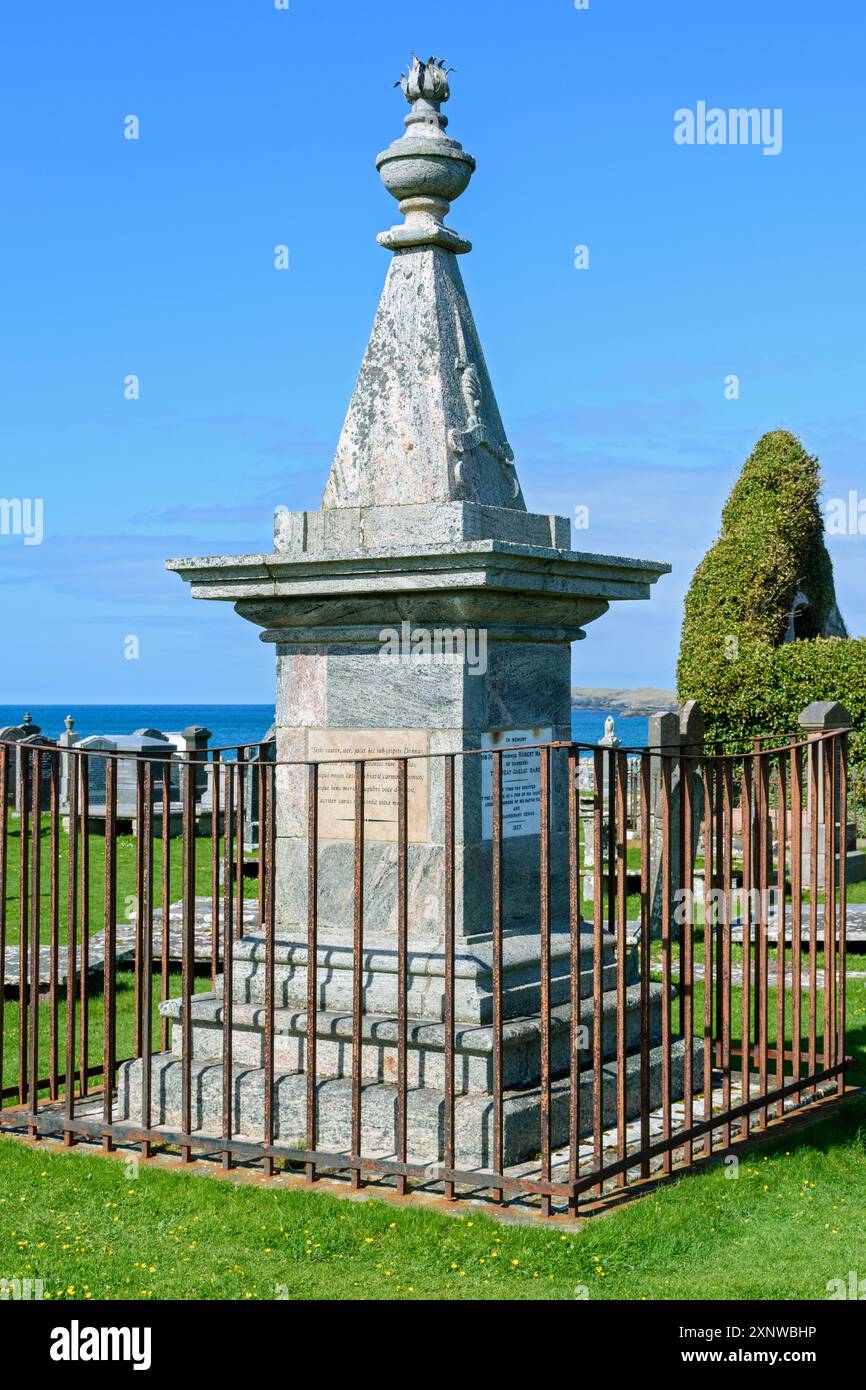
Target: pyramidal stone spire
point(423, 426)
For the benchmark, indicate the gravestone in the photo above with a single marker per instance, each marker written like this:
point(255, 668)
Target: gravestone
point(423, 523)
point(26, 746)
point(133, 749)
point(12, 735)
point(678, 736)
point(821, 717)
point(68, 765)
point(266, 751)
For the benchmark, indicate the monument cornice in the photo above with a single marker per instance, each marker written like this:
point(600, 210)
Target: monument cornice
point(503, 567)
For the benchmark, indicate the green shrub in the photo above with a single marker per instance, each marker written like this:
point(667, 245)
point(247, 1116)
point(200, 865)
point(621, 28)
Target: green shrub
point(733, 658)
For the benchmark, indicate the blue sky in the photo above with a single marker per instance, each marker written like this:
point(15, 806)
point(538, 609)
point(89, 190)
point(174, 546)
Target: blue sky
point(260, 126)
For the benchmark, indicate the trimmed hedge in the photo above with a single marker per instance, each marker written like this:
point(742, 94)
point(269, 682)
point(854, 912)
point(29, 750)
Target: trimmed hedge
point(733, 659)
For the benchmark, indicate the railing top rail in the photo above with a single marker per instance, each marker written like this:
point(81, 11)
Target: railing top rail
point(207, 756)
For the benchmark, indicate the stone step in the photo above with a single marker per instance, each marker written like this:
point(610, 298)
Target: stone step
point(521, 1040)
point(521, 995)
point(425, 1110)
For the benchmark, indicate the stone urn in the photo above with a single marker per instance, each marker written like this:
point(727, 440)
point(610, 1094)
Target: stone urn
point(425, 170)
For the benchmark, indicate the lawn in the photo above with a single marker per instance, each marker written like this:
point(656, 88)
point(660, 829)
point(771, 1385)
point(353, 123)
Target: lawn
point(89, 1227)
point(125, 881)
point(794, 1219)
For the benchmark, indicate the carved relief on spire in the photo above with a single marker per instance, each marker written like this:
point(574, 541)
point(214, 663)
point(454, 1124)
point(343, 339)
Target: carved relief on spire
point(474, 433)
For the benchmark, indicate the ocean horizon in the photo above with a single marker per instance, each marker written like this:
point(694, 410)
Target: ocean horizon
point(243, 724)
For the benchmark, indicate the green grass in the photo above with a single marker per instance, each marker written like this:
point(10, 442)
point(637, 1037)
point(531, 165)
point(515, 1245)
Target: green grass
point(794, 1219)
point(124, 1027)
point(125, 880)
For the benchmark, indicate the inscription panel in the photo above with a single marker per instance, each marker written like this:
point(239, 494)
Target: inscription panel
point(521, 782)
point(337, 784)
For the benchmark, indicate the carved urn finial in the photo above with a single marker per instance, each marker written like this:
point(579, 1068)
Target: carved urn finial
point(425, 170)
point(425, 87)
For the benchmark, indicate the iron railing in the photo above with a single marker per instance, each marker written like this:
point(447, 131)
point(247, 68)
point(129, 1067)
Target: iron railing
point(679, 997)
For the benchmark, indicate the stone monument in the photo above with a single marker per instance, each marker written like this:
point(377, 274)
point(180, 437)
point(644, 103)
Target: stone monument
point(423, 530)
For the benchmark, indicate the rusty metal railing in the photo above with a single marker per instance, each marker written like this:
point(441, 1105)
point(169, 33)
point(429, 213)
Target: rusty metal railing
point(662, 961)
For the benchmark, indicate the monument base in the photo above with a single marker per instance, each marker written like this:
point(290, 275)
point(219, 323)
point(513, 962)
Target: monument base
point(425, 1049)
point(425, 1109)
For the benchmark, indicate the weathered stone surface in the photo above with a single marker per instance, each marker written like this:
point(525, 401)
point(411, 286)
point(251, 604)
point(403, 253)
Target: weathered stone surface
point(521, 1041)
point(425, 1108)
point(358, 528)
point(423, 424)
point(423, 523)
point(473, 970)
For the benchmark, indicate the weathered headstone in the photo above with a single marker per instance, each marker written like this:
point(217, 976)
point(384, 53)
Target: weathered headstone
point(68, 765)
point(678, 736)
point(27, 764)
point(12, 735)
point(822, 716)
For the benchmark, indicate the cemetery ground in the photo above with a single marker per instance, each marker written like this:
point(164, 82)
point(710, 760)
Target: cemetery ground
point(92, 1227)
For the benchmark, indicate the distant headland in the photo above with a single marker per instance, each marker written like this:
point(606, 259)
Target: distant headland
point(645, 701)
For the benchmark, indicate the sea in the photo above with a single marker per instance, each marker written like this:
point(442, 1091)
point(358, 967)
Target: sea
point(235, 724)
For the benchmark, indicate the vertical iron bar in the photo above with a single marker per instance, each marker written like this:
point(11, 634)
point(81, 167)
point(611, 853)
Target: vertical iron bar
point(312, 955)
point(814, 785)
point(726, 953)
point(260, 812)
point(497, 968)
point(187, 950)
point(358, 977)
point(829, 751)
point(402, 966)
point(35, 923)
point(746, 918)
point(598, 969)
point(621, 954)
point(687, 927)
point(139, 899)
point(796, 910)
point(645, 958)
point(216, 774)
point(74, 769)
point(165, 958)
point(144, 826)
point(84, 950)
point(718, 784)
point(228, 963)
point(711, 956)
point(239, 842)
point(544, 945)
point(666, 959)
point(109, 1019)
point(23, 916)
point(266, 904)
point(781, 924)
point(574, 991)
point(761, 961)
point(54, 911)
point(4, 872)
point(841, 1014)
point(449, 973)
